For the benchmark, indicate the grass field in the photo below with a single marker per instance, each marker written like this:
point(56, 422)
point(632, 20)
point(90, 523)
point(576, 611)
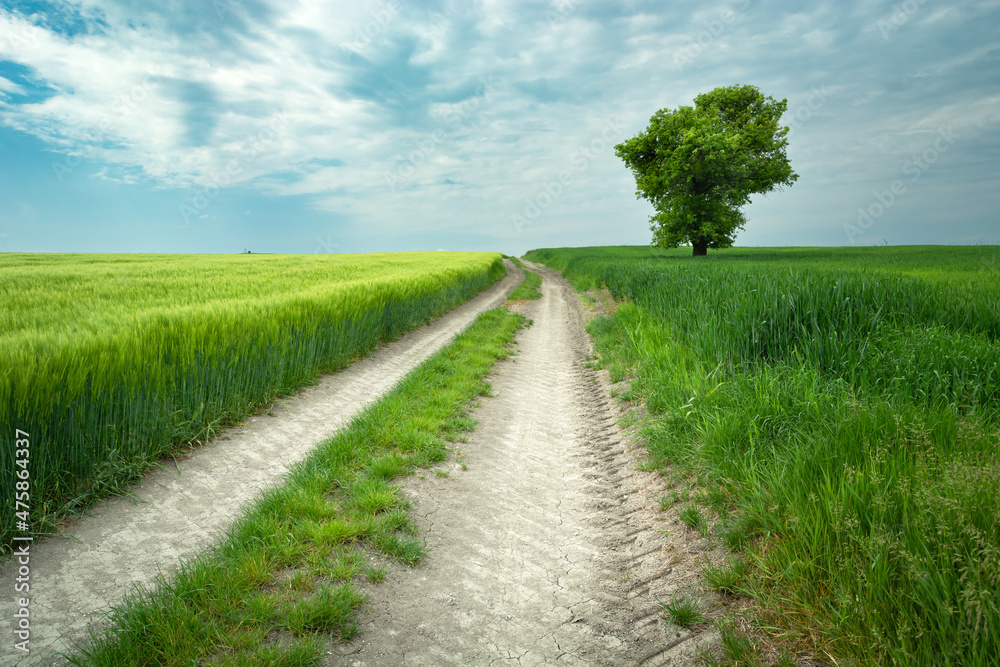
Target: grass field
point(840, 409)
point(110, 362)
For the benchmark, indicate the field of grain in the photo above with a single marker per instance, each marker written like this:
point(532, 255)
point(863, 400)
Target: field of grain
point(840, 411)
point(111, 362)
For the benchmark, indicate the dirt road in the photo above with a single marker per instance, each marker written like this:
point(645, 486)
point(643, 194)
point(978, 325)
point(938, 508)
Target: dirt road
point(176, 511)
point(546, 546)
point(546, 549)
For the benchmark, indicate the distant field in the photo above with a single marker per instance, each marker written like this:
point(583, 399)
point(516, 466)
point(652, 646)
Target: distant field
point(841, 410)
point(111, 361)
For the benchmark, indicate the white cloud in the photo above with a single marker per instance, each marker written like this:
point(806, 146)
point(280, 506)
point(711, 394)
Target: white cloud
point(372, 109)
point(8, 86)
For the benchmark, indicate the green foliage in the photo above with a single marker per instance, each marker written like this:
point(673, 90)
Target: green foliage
point(110, 362)
point(699, 165)
point(848, 403)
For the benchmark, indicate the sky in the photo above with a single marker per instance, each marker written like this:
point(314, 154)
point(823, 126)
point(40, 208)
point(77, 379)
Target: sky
point(301, 126)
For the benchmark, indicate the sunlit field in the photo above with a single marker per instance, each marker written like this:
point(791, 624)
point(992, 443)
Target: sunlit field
point(840, 409)
point(110, 362)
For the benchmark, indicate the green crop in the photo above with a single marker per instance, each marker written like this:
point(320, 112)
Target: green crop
point(846, 402)
point(110, 362)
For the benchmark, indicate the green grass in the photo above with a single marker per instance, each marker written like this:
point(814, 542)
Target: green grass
point(842, 409)
point(528, 289)
point(282, 579)
point(728, 578)
point(111, 362)
point(683, 611)
point(693, 517)
point(736, 649)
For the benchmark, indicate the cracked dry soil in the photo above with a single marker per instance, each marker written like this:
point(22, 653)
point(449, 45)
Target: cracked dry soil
point(544, 547)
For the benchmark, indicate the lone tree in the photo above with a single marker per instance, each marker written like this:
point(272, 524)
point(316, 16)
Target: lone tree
point(698, 166)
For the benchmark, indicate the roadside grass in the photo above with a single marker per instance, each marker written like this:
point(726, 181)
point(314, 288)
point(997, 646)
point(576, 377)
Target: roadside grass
point(840, 410)
point(282, 581)
point(528, 289)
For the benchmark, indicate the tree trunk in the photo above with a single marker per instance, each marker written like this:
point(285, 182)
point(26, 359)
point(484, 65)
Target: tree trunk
point(700, 248)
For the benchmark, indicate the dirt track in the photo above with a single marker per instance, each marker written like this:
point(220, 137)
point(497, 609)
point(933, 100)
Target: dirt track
point(178, 511)
point(545, 549)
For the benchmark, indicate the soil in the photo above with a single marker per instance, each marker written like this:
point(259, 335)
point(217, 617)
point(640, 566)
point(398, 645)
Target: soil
point(546, 542)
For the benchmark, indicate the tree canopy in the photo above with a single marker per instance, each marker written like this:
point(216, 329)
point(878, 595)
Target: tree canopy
point(699, 165)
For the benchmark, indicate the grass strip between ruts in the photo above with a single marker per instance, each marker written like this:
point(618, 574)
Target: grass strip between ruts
point(515, 261)
point(528, 289)
point(280, 584)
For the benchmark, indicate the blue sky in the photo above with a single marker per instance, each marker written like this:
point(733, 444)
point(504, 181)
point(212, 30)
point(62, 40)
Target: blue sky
point(305, 126)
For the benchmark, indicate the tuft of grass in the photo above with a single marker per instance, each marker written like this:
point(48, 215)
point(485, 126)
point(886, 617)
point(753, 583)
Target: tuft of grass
point(647, 465)
point(718, 499)
point(306, 652)
point(330, 611)
point(682, 610)
point(739, 532)
point(727, 578)
point(389, 467)
point(373, 495)
point(693, 517)
point(291, 561)
point(737, 649)
point(404, 549)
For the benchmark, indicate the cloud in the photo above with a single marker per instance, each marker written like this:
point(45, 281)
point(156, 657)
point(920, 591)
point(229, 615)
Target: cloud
point(8, 86)
point(452, 115)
